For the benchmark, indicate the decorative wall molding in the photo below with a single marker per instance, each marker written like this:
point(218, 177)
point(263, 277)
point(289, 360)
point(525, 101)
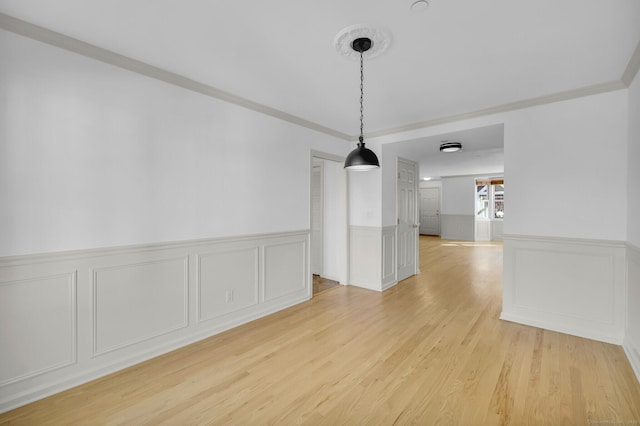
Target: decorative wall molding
point(568, 285)
point(33, 343)
point(457, 227)
point(121, 306)
point(372, 260)
point(276, 279)
point(117, 322)
point(389, 257)
point(365, 257)
point(216, 269)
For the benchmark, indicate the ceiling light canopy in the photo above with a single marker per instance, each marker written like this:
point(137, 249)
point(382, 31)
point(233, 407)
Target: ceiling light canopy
point(450, 146)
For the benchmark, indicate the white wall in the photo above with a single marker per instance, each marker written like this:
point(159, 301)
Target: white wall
point(458, 197)
point(633, 162)
point(457, 219)
point(565, 164)
point(431, 184)
point(561, 153)
point(364, 191)
point(632, 337)
point(94, 156)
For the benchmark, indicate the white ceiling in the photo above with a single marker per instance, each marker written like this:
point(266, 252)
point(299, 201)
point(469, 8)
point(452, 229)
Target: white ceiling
point(482, 153)
point(453, 58)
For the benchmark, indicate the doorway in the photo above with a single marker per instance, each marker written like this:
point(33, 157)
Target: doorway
point(328, 257)
point(430, 211)
point(407, 213)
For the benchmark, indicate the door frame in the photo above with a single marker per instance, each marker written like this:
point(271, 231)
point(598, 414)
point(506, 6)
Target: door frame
point(343, 224)
point(319, 163)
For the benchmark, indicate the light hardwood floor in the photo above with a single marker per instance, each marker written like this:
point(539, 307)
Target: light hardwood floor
point(429, 351)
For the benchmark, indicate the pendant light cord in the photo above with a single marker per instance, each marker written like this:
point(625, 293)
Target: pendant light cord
point(361, 96)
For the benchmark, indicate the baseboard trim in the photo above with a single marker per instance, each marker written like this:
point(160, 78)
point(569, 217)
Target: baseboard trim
point(561, 328)
point(633, 355)
point(387, 286)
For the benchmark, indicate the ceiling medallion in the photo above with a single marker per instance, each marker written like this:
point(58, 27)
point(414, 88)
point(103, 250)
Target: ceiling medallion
point(380, 40)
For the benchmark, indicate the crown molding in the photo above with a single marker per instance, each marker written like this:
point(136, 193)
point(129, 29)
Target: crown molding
point(512, 106)
point(62, 41)
point(632, 67)
point(71, 44)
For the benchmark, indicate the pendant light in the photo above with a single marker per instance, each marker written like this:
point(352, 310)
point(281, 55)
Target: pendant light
point(361, 158)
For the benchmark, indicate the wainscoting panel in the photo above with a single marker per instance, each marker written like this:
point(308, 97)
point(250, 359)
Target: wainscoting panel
point(632, 336)
point(285, 270)
point(372, 257)
point(37, 326)
point(389, 268)
point(458, 227)
point(120, 292)
point(227, 281)
point(365, 257)
point(68, 318)
point(567, 285)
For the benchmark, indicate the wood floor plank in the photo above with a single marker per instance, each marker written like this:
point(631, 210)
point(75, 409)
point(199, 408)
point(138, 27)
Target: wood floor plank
point(430, 350)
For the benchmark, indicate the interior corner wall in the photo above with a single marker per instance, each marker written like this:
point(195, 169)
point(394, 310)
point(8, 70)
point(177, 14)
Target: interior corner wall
point(632, 335)
point(92, 155)
point(633, 162)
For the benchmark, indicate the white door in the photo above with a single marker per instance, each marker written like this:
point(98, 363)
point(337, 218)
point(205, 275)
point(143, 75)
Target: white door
point(407, 251)
point(430, 211)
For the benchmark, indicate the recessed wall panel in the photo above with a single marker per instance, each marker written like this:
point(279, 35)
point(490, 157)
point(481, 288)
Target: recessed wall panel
point(37, 326)
point(139, 301)
point(388, 255)
point(227, 282)
point(568, 285)
point(284, 266)
point(578, 285)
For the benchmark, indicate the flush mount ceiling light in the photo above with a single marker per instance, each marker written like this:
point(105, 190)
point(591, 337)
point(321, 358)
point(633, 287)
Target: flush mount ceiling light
point(450, 146)
point(361, 39)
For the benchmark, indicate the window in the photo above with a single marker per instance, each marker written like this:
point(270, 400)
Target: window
point(490, 198)
point(482, 201)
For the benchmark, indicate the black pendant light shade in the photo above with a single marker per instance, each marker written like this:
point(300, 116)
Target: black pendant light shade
point(361, 158)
